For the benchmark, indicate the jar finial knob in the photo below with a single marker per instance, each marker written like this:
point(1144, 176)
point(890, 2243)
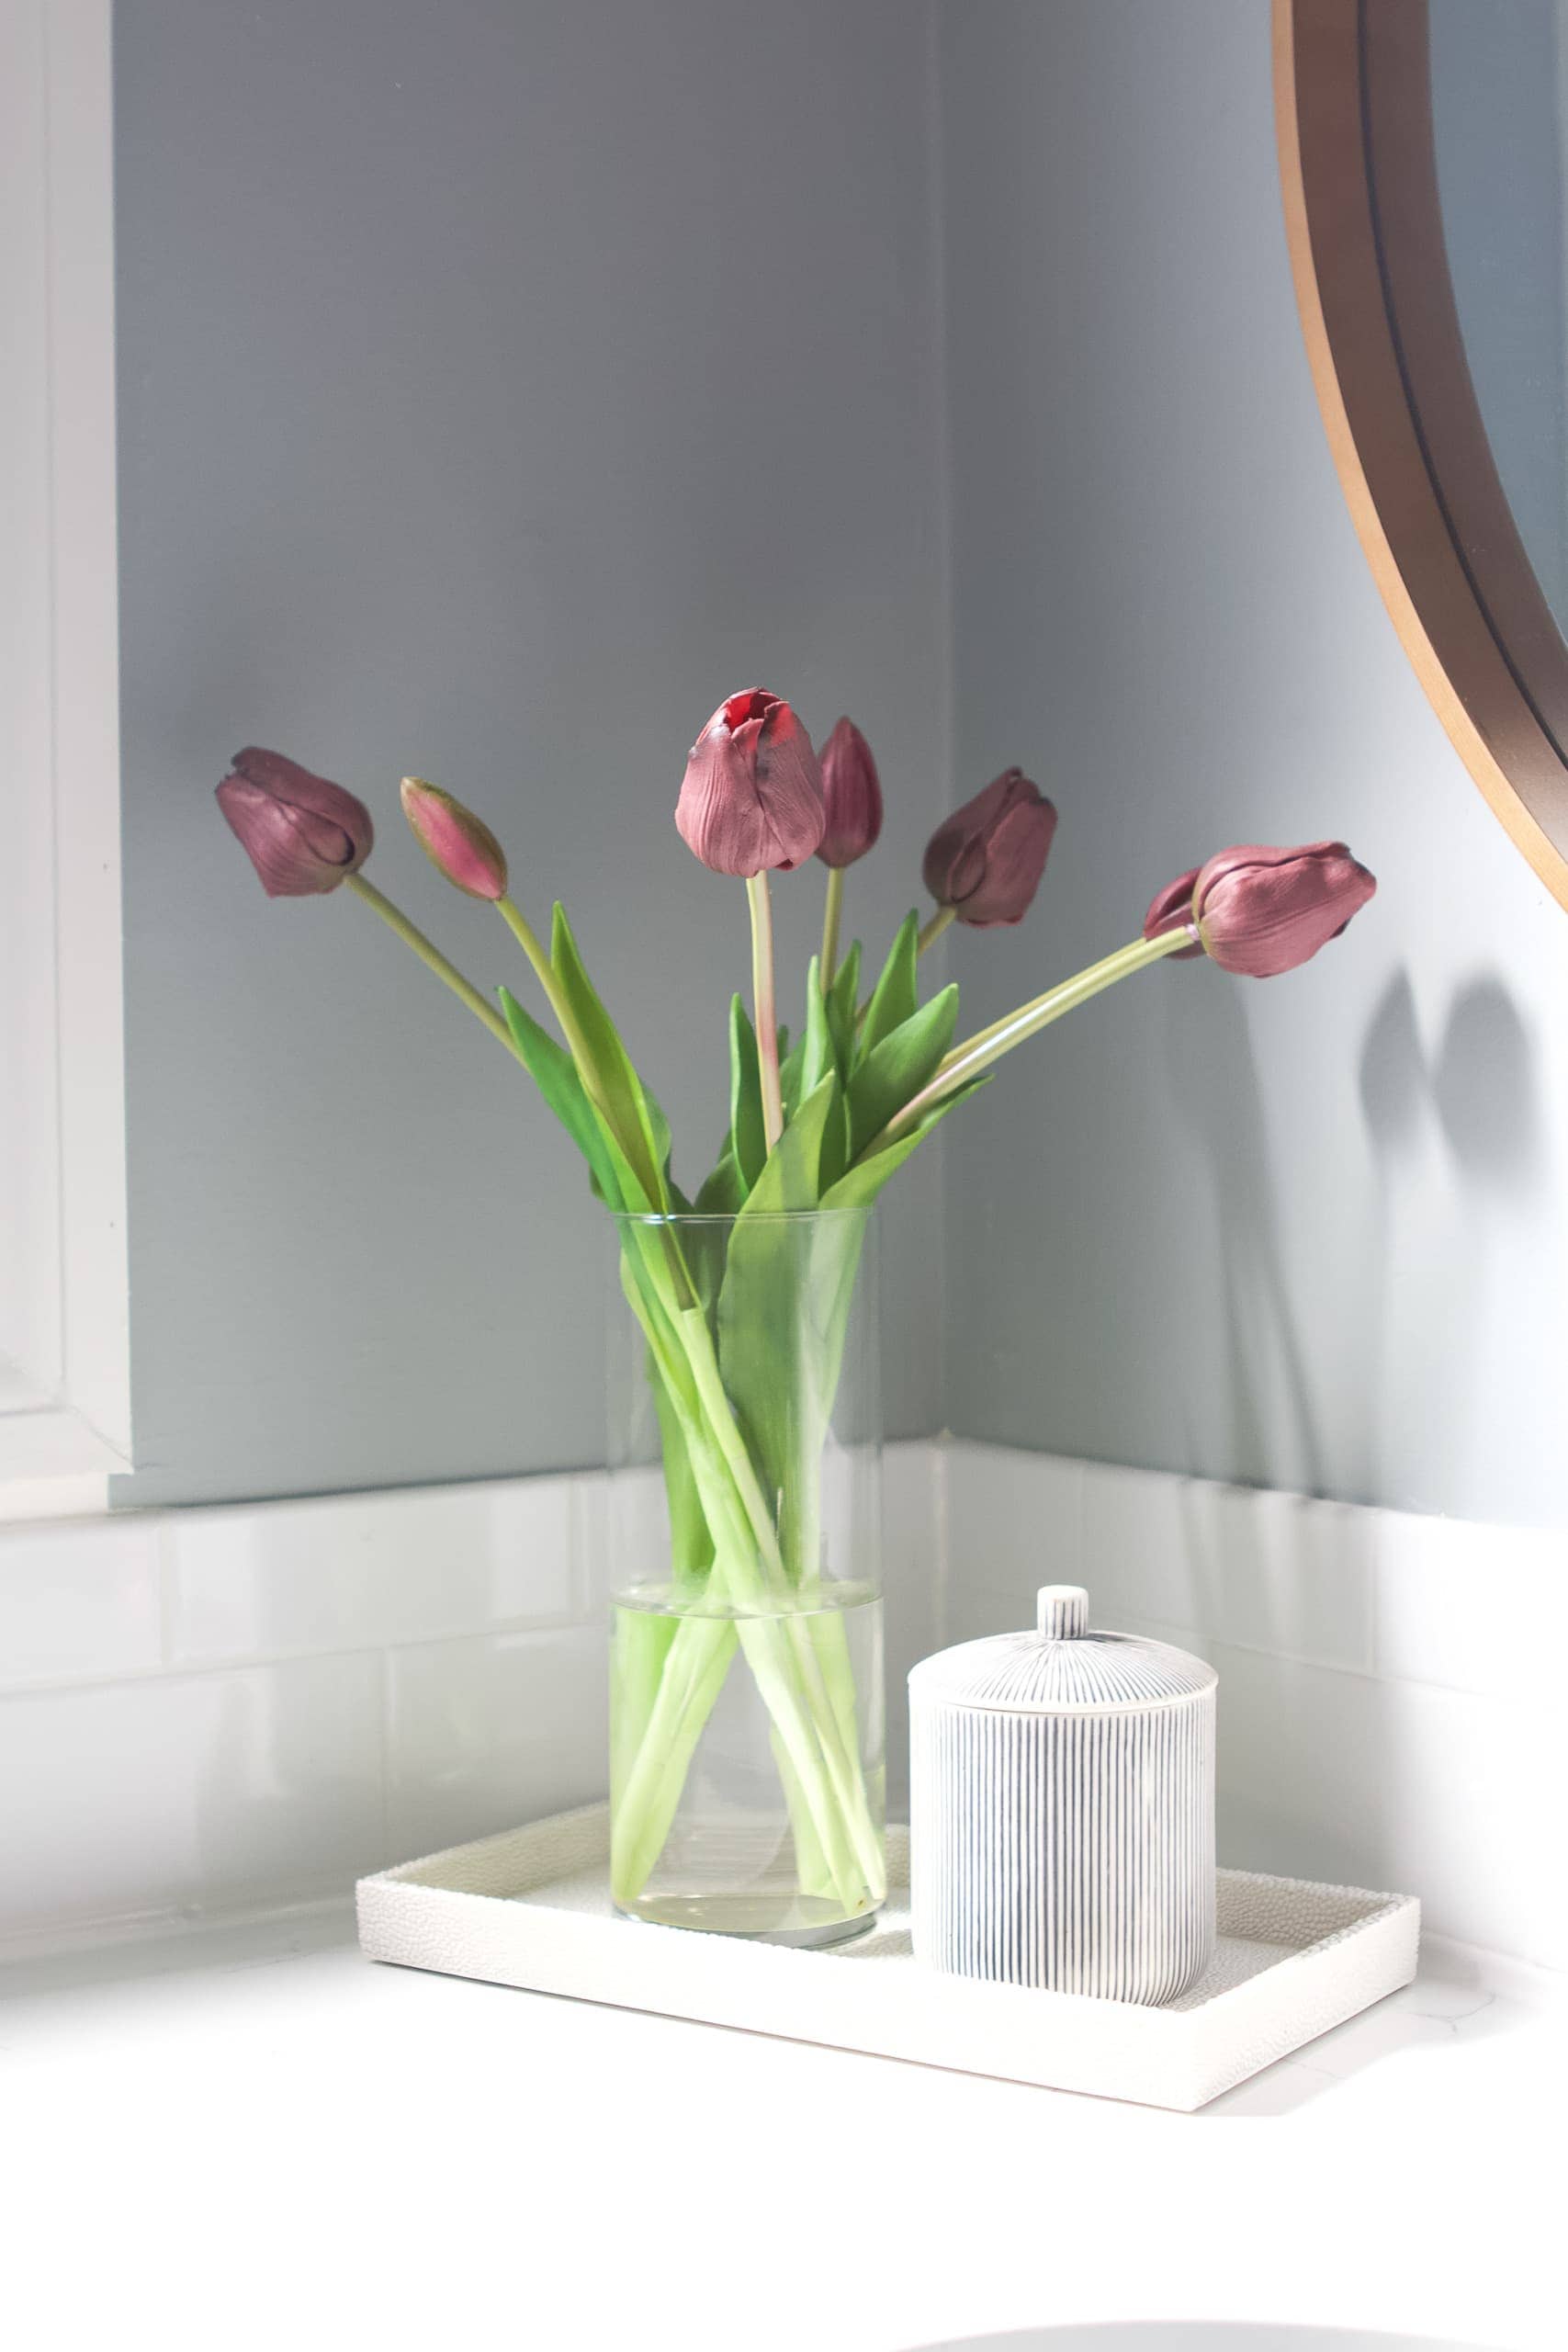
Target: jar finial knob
point(1064, 1611)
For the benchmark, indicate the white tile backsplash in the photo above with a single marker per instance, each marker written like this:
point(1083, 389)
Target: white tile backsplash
point(226, 1708)
point(1390, 1709)
point(483, 1733)
point(914, 1531)
point(1475, 1608)
point(1342, 1777)
point(78, 1598)
point(124, 1799)
point(351, 1570)
point(1260, 1569)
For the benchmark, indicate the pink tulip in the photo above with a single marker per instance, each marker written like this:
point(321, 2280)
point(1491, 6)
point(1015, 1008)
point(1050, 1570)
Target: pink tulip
point(852, 793)
point(1171, 910)
point(751, 798)
point(455, 839)
point(1261, 911)
point(985, 860)
point(302, 834)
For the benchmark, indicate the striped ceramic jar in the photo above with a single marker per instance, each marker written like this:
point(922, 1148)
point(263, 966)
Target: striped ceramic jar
point(1062, 1809)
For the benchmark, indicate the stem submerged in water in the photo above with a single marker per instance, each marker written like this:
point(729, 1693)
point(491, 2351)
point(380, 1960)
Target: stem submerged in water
point(798, 1656)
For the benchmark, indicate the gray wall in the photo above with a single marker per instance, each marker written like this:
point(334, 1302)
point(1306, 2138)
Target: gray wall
point(499, 386)
point(1308, 1231)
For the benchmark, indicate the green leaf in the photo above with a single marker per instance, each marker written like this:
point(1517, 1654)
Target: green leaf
point(843, 1003)
point(659, 1127)
point(836, 1153)
point(894, 1071)
point(633, 1121)
point(748, 1136)
point(791, 1180)
point(792, 1067)
point(555, 1074)
point(691, 1541)
point(724, 1192)
point(819, 1057)
point(655, 1282)
point(897, 993)
point(860, 1186)
point(703, 1251)
point(783, 1312)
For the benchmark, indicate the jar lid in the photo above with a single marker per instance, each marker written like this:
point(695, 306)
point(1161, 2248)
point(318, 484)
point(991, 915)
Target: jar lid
point(1062, 1668)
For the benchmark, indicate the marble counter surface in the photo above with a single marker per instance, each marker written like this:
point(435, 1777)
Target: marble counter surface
point(252, 2135)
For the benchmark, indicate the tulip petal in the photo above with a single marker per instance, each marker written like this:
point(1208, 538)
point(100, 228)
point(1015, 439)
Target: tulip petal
point(1015, 860)
point(304, 834)
point(751, 797)
point(851, 795)
point(459, 844)
point(1171, 910)
point(985, 860)
point(1263, 910)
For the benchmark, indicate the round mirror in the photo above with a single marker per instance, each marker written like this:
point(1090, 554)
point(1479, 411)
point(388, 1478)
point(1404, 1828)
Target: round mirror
point(1422, 156)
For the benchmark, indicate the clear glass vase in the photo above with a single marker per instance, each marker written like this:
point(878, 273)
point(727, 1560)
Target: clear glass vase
point(746, 1692)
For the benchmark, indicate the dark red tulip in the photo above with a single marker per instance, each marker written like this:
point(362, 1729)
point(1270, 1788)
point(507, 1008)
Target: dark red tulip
point(454, 839)
point(1171, 910)
point(852, 794)
point(1263, 911)
point(985, 860)
point(752, 799)
point(302, 834)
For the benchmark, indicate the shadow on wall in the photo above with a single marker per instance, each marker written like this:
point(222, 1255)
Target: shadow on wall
point(1466, 1111)
point(1477, 1091)
point(1470, 1101)
point(1213, 1082)
point(1195, 2336)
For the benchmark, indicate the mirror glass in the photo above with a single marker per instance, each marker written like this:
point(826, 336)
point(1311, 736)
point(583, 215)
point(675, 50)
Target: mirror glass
point(1499, 82)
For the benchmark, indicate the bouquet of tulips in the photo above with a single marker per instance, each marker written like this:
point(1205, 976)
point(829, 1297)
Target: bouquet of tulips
point(744, 1335)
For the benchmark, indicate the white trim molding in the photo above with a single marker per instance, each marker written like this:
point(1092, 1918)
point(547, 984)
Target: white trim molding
point(64, 1350)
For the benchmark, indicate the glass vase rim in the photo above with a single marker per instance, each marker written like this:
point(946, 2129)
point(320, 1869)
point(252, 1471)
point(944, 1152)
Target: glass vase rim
point(862, 1209)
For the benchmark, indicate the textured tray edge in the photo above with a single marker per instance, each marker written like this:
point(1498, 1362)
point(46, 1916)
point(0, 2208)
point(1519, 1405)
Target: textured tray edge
point(1171, 2058)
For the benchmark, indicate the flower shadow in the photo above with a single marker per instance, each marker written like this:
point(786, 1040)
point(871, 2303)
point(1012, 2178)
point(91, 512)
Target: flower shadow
point(1274, 1438)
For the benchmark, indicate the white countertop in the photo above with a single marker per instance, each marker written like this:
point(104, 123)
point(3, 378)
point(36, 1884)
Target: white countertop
point(253, 2136)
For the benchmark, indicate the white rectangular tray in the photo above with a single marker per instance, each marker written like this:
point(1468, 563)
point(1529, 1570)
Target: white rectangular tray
point(531, 1907)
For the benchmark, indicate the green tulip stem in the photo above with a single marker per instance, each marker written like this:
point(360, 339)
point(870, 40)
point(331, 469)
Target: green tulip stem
point(527, 938)
point(431, 956)
point(764, 1006)
point(831, 913)
point(976, 1054)
point(931, 931)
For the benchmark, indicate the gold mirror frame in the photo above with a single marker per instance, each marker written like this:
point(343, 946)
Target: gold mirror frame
point(1357, 168)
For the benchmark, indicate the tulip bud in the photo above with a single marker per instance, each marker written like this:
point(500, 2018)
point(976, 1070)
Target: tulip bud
point(852, 794)
point(302, 834)
point(1263, 911)
point(454, 839)
point(985, 860)
point(1171, 910)
point(751, 798)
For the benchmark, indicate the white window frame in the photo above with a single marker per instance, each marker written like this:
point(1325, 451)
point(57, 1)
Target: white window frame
point(64, 1326)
